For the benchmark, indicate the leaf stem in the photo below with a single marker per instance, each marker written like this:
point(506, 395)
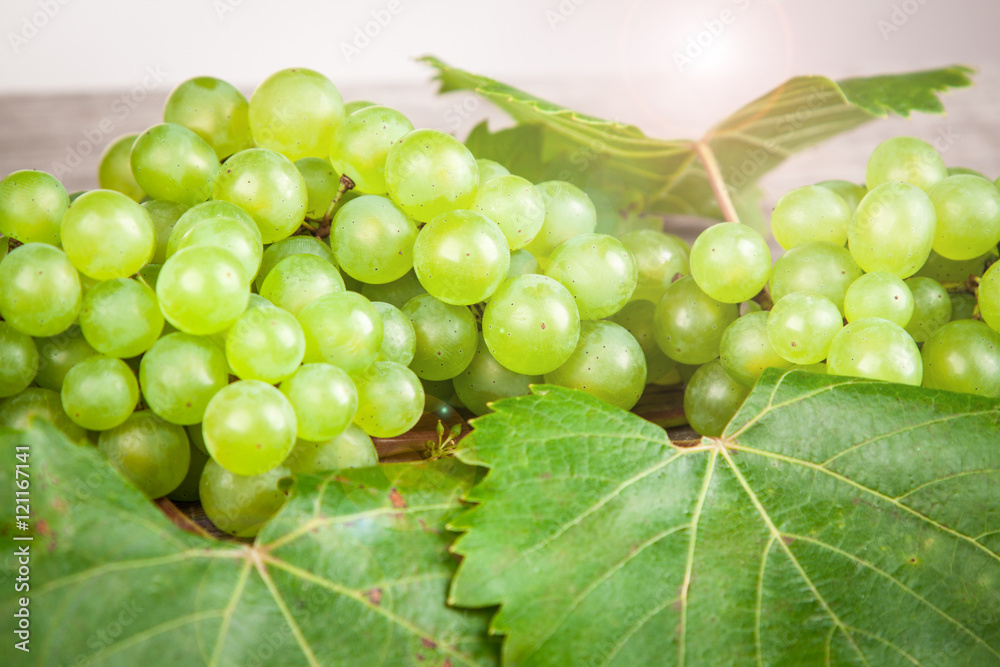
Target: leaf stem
point(704, 152)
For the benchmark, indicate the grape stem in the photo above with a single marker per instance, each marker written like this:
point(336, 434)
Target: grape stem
point(324, 226)
point(715, 179)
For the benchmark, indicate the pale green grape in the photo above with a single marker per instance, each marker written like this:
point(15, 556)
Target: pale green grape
point(399, 339)
point(607, 362)
point(173, 163)
point(893, 229)
point(372, 240)
point(851, 193)
point(485, 380)
point(351, 449)
point(689, 324)
point(58, 354)
point(107, 235)
point(354, 105)
point(265, 344)
point(963, 356)
point(963, 306)
point(568, 213)
point(445, 337)
point(531, 325)
point(660, 259)
point(802, 326)
point(21, 410)
point(187, 490)
point(490, 169)
point(293, 245)
point(390, 399)
point(711, 399)
point(40, 292)
point(249, 427)
point(637, 318)
point(819, 267)
point(362, 142)
point(598, 271)
point(240, 505)
point(202, 290)
point(931, 308)
point(229, 234)
point(515, 205)
point(266, 185)
point(180, 374)
point(955, 171)
point(746, 351)
point(298, 280)
point(343, 329)
point(324, 398)
point(121, 318)
point(879, 295)
point(948, 270)
point(322, 184)
point(18, 360)
point(115, 169)
point(152, 454)
point(461, 257)
point(522, 262)
point(905, 159)
point(296, 112)
point(396, 293)
point(214, 110)
point(210, 210)
point(988, 295)
point(32, 206)
point(428, 172)
point(810, 213)
point(730, 262)
point(968, 216)
point(164, 216)
point(99, 392)
point(196, 437)
point(876, 349)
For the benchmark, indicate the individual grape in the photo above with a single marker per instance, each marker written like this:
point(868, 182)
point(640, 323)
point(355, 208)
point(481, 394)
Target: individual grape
point(931, 308)
point(152, 454)
point(607, 363)
point(988, 295)
point(229, 234)
point(18, 360)
point(963, 356)
point(746, 351)
point(568, 213)
point(531, 325)
point(296, 112)
point(266, 185)
point(711, 399)
point(99, 393)
point(802, 326)
point(851, 193)
point(209, 210)
point(399, 339)
point(322, 184)
point(893, 229)
point(180, 374)
point(876, 349)
point(660, 259)
point(879, 295)
point(19, 412)
point(324, 398)
point(351, 449)
point(810, 213)
point(372, 240)
point(461, 257)
point(390, 399)
point(196, 437)
point(956, 171)
point(598, 271)
point(362, 142)
point(948, 270)
point(265, 344)
point(298, 280)
point(164, 216)
point(58, 354)
point(514, 205)
point(428, 173)
point(187, 490)
point(343, 329)
point(214, 110)
point(249, 427)
point(485, 380)
point(905, 159)
point(689, 324)
point(819, 267)
point(32, 206)
point(968, 217)
point(115, 169)
point(445, 337)
point(40, 291)
point(490, 169)
point(522, 263)
point(443, 390)
point(240, 505)
point(173, 163)
point(293, 245)
point(963, 306)
point(637, 318)
point(396, 293)
point(107, 235)
point(121, 318)
point(730, 262)
point(202, 290)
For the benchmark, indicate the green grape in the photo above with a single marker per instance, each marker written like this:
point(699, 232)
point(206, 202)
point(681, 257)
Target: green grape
point(298, 280)
point(905, 159)
point(461, 257)
point(810, 213)
point(202, 290)
point(948, 270)
point(32, 206)
point(819, 267)
point(249, 427)
point(293, 245)
point(107, 235)
point(711, 399)
point(296, 112)
point(240, 505)
point(115, 169)
point(968, 217)
point(522, 263)
point(445, 337)
point(372, 240)
point(362, 143)
point(343, 329)
point(515, 205)
point(210, 210)
point(173, 163)
point(354, 105)
point(746, 351)
point(730, 262)
point(324, 398)
point(893, 229)
point(152, 454)
point(40, 291)
point(121, 318)
point(443, 390)
point(180, 374)
point(265, 344)
point(490, 169)
point(598, 271)
point(229, 234)
point(956, 171)
point(266, 185)
point(4, 246)
point(196, 437)
point(931, 308)
point(19, 360)
point(568, 213)
point(396, 293)
point(531, 325)
point(390, 399)
point(637, 318)
point(851, 193)
point(879, 295)
point(988, 295)
point(428, 173)
point(99, 392)
point(322, 184)
point(876, 349)
point(187, 490)
point(485, 380)
point(58, 354)
point(351, 449)
point(164, 215)
point(802, 326)
point(963, 356)
point(19, 412)
point(607, 362)
point(963, 306)
point(660, 259)
point(688, 324)
point(399, 339)
point(214, 110)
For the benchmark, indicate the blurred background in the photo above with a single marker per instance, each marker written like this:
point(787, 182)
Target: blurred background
point(74, 74)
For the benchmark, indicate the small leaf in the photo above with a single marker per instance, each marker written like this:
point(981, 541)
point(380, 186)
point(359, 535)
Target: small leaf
point(902, 94)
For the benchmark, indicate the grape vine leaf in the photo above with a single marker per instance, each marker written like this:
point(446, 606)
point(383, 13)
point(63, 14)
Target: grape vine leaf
point(837, 521)
point(353, 570)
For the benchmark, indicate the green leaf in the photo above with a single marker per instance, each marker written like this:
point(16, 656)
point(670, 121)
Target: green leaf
point(354, 570)
point(838, 521)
